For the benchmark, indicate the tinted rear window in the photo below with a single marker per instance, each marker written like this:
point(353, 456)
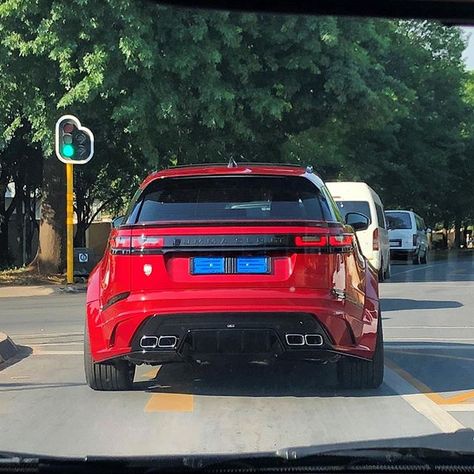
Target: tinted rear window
point(230, 198)
point(354, 206)
point(398, 220)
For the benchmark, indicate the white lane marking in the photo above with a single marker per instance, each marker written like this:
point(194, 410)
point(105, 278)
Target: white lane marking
point(394, 346)
point(41, 344)
point(39, 352)
point(51, 334)
point(424, 267)
point(436, 339)
point(421, 403)
point(386, 327)
point(460, 407)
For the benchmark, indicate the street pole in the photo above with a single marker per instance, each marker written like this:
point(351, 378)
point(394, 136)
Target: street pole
point(74, 144)
point(69, 223)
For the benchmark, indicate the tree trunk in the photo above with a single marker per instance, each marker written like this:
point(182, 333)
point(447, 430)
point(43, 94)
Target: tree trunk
point(4, 256)
point(457, 234)
point(19, 221)
point(80, 237)
point(28, 224)
point(51, 256)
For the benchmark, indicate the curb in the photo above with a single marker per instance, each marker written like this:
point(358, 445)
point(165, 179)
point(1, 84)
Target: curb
point(78, 288)
point(7, 348)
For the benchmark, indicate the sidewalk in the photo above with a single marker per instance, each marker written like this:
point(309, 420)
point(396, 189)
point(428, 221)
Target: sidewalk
point(16, 291)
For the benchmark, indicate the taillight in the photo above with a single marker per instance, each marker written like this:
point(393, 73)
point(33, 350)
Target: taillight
point(125, 244)
point(342, 240)
point(376, 240)
point(415, 240)
point(311, 241)
point(120, 244)
point(145, 242)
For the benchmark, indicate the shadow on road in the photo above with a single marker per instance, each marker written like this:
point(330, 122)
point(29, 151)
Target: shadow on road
point(403, 304)
point(449, 368)
point(23, 353)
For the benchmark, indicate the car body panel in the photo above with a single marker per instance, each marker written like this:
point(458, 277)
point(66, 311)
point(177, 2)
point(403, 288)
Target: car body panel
point(361, 192)
point(131, 285)
point(401, 240)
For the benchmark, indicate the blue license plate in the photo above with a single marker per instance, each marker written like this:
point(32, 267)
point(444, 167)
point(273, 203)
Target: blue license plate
point(208, 265)
point(252, 265)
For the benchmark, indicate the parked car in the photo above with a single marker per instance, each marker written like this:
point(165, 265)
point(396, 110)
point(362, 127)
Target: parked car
point(217, 264)
point(408, 236)
point(360, 197)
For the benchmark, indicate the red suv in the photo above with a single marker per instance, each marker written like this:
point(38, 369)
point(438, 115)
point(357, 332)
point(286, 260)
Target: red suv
point(226, 263)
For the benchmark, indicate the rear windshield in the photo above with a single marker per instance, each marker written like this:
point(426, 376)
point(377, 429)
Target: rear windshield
point(230, 198)
point(354, 206)
point(398, 220)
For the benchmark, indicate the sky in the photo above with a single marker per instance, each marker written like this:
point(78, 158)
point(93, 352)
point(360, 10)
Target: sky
point(469, 51)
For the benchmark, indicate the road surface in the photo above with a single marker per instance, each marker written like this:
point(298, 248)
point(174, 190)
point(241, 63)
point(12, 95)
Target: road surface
point(46, 408)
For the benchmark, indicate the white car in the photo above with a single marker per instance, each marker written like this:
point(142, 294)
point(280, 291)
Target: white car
point(408, 236)
point(360, 197)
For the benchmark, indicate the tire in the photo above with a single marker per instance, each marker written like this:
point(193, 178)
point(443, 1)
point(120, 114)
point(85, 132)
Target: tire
point(361, 374)
point(416, 258)
point(112, 376)
point(424, 259)
point(388, 273)
point(381, 272)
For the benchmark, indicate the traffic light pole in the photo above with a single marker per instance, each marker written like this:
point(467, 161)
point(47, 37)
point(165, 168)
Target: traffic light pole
point(69, 223)
point(74, 144)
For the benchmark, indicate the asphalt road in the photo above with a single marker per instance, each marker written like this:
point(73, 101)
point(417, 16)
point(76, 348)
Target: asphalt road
point(45, 406)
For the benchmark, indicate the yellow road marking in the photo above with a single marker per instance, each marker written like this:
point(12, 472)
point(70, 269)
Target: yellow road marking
point(421, 403)
point(170, 402)
point(167, 402)
point(427, 391)
point(151, 374)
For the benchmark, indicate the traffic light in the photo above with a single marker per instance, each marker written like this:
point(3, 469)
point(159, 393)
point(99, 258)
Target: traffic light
point(74, 143)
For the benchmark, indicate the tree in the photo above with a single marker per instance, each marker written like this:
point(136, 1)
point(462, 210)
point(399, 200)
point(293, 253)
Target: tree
point(369, 99)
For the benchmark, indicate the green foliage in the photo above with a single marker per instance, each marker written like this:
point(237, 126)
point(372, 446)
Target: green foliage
point(381, 101)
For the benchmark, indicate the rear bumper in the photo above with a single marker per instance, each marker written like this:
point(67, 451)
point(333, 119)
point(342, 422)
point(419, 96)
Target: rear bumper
point(403, 253)
point(223, 324)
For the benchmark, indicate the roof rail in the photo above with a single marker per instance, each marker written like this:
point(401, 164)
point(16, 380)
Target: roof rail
point(232, 164)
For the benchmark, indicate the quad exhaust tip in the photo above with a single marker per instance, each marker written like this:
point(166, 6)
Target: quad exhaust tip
point(313, 339)
point(163, 342)
point(304, 339)
point(168, 342)
point(294, 339)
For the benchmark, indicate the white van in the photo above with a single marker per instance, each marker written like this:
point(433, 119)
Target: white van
point(407, 235)
point(360, 197)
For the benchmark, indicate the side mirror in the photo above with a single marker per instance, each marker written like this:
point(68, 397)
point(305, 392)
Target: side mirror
point(118, 221)
point(357, 221)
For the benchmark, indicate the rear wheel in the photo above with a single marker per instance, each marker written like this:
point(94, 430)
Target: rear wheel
point(358, 373)
point(416, 258)
point(117, 375)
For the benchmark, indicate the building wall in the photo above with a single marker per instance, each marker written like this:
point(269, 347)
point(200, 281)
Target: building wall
point(97, 236)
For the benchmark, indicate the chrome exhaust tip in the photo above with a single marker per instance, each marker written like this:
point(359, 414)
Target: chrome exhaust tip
point(167, 342)
point(148, 342)
point(294, 339)
point(313, 339)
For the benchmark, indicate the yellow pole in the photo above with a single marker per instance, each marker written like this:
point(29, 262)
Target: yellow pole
point(69, 223)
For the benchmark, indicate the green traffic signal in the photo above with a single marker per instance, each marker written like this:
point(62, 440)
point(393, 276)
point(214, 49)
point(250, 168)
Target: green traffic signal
point(68, 150)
